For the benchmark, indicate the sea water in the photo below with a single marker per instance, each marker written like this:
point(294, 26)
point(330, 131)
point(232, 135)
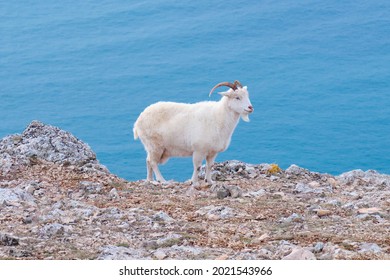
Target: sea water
point(318, 73)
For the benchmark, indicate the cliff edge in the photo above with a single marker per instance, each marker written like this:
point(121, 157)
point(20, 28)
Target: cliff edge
point(58, 202)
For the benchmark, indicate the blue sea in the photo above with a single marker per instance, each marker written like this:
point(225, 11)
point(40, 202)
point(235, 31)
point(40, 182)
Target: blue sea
point(318, 73)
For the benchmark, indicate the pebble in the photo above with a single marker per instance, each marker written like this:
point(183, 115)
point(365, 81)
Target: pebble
point(222, 257)
point(303, 188)
point(296, 170)
point(111, 252)
point(332, 182)
point(150, 244)
point(162, 216)
point(222, 193)
point(257, 193)
point(169, 240)
point(279, 195)
point(51, 230)
point(31, 189)
point(370, 247)
point(322, 212)
point(27, 220)
point(318, 247)
point(114, 194)
point(273, 178)
point(363, 217)
point(91, 187)
point(293, 218)
point(19, 253)
point(314, 184)
point(160, 255)
point(222, 212)
point(349, 205)
point(373, 210)
point(264, 237)
point(213, 217)
point(300, 254)
point(8, 240)
point(191, 191)
point(235, 191)
point(335, 202)
point(326, 256)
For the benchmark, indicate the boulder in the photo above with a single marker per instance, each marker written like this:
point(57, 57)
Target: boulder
point(40, 142)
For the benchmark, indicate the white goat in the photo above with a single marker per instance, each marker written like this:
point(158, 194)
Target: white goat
point(200, 130)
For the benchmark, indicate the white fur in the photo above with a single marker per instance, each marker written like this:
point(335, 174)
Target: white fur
point(200, 130)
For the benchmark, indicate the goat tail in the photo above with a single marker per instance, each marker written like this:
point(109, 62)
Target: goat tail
point(135, 133)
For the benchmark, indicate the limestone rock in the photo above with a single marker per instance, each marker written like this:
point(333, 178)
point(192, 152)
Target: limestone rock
point(257, 193)
point(292, 218)
point(222, 212)
point(319, 246)
point(370, 248)
point(114, 194)
point(235, 191)
point(41, 142)
point(296, 170)
point(191, 191)
point(300, 254)
point(372, 210)
point(162, 216)
point(264, 237)
point(322, 212)
point(91, 187)
point(169, 240)
point(222, 257)
point(122, 253)
point(8, 240)
point(223, 191)
point(370, 177)
point(160, 255)
point(53, 229)
point(15, 195)
point(56, 203)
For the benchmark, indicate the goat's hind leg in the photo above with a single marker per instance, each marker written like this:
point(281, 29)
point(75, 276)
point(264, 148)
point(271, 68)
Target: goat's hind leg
point(154, 159)
point(149, 169)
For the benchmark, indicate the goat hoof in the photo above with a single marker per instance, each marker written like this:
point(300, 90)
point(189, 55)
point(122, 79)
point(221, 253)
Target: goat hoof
point(209, 182)
point(162, 181)
point(166, 183)
point(195, 184)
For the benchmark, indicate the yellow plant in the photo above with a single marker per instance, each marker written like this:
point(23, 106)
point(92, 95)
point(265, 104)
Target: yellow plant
point(274, 168)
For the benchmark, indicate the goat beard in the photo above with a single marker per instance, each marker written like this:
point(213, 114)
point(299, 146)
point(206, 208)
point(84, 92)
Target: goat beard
point(245, 117)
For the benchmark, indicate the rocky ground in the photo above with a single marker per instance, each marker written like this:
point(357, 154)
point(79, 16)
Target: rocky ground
point(58, 202)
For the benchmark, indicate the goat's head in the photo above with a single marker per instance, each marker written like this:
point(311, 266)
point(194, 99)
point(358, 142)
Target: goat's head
point(238, 98)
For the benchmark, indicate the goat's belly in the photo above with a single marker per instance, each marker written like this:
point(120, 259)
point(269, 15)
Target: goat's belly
point(177, 152)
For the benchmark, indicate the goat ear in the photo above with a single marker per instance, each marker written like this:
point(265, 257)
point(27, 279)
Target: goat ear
point(227, 93)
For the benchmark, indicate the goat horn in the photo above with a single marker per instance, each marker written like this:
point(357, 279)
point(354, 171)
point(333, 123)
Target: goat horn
point(232, 86)
point(237, 83)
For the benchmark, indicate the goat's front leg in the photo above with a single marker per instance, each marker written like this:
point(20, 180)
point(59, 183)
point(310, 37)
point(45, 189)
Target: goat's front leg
point(197, 159)
point(209, 163)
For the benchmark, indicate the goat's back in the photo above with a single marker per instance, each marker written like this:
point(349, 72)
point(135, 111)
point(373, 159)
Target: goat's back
point(165, 113)
point(170, 118)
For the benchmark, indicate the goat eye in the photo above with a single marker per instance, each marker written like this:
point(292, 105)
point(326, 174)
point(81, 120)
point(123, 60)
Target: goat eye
point(238, 98)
